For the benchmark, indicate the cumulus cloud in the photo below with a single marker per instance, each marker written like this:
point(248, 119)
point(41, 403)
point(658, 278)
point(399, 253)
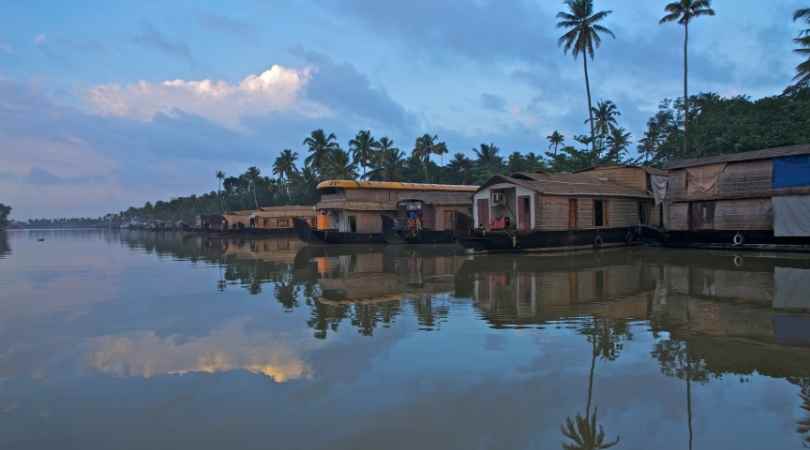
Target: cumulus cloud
point(276, 89)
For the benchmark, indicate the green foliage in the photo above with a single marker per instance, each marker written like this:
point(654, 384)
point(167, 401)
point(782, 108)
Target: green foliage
point(802, 78)
point(5, 211)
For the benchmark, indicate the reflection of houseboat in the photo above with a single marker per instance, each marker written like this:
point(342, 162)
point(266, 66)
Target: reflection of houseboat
point(351, 212)
point(263, 221)
point(742, 200)
point(594, 208)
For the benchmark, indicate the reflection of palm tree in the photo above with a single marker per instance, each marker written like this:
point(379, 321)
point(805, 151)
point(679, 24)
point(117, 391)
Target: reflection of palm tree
point(803, 427)
point(585, 434)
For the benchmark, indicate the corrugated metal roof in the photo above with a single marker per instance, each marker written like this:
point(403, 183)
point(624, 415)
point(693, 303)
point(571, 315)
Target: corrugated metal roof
point(567, 184)
point(394, 185)
point(769, 153)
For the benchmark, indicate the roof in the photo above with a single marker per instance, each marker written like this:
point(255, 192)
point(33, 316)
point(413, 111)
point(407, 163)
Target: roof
point(777, 152)
point(395, 186)
point(648, 169)
point(567, 184)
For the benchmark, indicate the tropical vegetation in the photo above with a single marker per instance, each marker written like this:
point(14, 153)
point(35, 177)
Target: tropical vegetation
point(5, 211)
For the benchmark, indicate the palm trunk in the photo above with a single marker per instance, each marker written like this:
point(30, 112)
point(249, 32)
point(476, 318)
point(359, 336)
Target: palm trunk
point(685, 91)
point(590, 108)
point(590, 380)
point(255, 200)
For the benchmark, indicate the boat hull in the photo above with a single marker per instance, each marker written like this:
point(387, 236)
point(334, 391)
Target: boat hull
point(393, 236)
point(728, 240)
point(502, 241)
point(306, 233)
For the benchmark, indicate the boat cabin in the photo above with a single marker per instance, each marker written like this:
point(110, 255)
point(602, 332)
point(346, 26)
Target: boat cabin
point(764, 192)
point(559, 202)
point(356, 206)
point(268, 218)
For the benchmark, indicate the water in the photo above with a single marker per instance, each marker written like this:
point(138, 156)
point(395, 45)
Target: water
point(148, 341)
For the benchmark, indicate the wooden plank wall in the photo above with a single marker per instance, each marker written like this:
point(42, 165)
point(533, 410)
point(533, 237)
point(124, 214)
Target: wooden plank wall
point(622, 212)
point(677, 183)
point(585, 214)
point(753, 214)
point(630, 177)
point(553, 213)
point(745, 178)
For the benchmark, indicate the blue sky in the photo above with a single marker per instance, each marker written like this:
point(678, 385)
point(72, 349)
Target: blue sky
point(108, 104)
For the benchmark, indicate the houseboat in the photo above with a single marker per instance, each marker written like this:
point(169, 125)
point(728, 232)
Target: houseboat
point(754, 200)
point(599, 207)
point(262, 221)
point(363, 212)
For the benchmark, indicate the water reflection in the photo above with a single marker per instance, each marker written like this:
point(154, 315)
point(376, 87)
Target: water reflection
point(633, 348)
point(5, 248)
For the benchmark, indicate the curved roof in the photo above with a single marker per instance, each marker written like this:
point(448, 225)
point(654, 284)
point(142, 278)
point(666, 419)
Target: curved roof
point(394, 186)
point(567, 184)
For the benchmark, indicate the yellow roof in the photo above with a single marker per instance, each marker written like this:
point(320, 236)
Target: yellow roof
point(394, 186)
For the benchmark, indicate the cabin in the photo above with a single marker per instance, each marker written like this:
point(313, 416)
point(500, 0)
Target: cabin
point(210, 222)
point(760, 194)
point(357, 206)
point(587, 200)
point(280, 217)
point(641, 178)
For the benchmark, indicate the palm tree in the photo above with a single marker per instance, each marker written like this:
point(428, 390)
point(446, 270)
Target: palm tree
point(425, 146)
point(683, 11)
point(488, 161)
point(555, 139)
point(461, 168)
point(585, 434)
point(340, 166)
point(618, 140)
point(581, 38)
point(220, 177)
point(388, 162)
point(284, 167)
point(362, 148)
point(605, 115)
point(252, 174)
point(802, 77)
point(320, 146)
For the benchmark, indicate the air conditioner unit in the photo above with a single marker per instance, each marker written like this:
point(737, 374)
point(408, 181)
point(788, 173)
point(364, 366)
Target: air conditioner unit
point(498, 198)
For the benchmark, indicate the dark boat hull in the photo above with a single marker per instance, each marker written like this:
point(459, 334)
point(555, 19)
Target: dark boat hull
point(306, 233)
point(393, 236)
point(728, 240)
point(501, 241)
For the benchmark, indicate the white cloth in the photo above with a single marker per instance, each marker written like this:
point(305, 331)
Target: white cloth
point(791, 216)
point(660, 184)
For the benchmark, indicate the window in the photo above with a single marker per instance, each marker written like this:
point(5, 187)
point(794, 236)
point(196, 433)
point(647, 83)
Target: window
point(353, 224)
point(283, 223)
point(599, 213)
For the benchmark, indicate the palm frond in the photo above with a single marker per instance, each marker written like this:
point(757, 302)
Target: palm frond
point(803, 13)
point(703, 12)
point(670, 18)
point(604, 30)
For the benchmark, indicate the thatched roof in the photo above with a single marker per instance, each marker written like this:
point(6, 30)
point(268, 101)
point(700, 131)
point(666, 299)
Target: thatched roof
point(778, 152)
point(648, 169)
point(394, 186)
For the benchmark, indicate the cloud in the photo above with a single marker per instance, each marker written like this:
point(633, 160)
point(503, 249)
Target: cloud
point(493, 102)
point(276, 89)
point(151, 37)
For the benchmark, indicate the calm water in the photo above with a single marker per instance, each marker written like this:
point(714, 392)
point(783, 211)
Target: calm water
point(148, 341)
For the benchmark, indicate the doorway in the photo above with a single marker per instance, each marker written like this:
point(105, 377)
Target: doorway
point(524, 213)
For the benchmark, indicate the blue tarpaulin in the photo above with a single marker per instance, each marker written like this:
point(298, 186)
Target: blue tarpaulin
point(791, 171)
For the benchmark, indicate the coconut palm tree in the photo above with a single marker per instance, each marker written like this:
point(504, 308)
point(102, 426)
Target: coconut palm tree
point(581, 38)
point(425, 146)
point(220, 177)
point(488, 162)
point(362, 147)
point(618, 140)
point(605, 114)
point(461, 168)
point(585, 434)
point(340, 166)
point(388, 161)
point(284, 168)
point(802, 77)
point(320, 145)
point(684, 11)
point(555, 139)
point(252, 174)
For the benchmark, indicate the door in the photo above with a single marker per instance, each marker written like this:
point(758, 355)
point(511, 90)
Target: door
point(483, 212)
point(702, 215)
point(572, 214)
point(524, 213)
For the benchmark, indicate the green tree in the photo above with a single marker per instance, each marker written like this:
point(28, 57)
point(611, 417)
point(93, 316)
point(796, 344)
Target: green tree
point(683, 12)
point(555, 140)
point(320, 146)
point(605, 119)
point(284, 168)
point(425, 146)
point(388, 162)
point(340, 166)
point(5, 211)
point(803, 40)
point(488, 163)
point(362, 147)
point(461, 169)
point(581, 38)
point(618, 140)
point(252, 175)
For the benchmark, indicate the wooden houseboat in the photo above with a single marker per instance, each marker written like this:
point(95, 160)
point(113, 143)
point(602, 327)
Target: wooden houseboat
point(541, 211)
point(357, 212)
point(758, 200)
point(263, 221)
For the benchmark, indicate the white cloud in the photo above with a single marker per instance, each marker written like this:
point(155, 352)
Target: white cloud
point(40, 39)
point(274, 90)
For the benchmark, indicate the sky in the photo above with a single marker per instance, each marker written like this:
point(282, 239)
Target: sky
point(105, 105)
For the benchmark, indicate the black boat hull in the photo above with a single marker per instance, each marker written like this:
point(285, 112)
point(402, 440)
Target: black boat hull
point(306, 233)
point(502, 241)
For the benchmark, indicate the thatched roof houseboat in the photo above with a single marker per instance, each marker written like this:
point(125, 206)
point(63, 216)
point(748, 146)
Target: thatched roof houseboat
point(529, 211)
point(741, 199)
point(358, 212)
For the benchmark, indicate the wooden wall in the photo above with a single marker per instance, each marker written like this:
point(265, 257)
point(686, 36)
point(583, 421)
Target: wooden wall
point(622, 212)
point(630, 177)
point(679, 217)
point(745, 178)
point(367, 223)
point(552, 213)
point(753, 214)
